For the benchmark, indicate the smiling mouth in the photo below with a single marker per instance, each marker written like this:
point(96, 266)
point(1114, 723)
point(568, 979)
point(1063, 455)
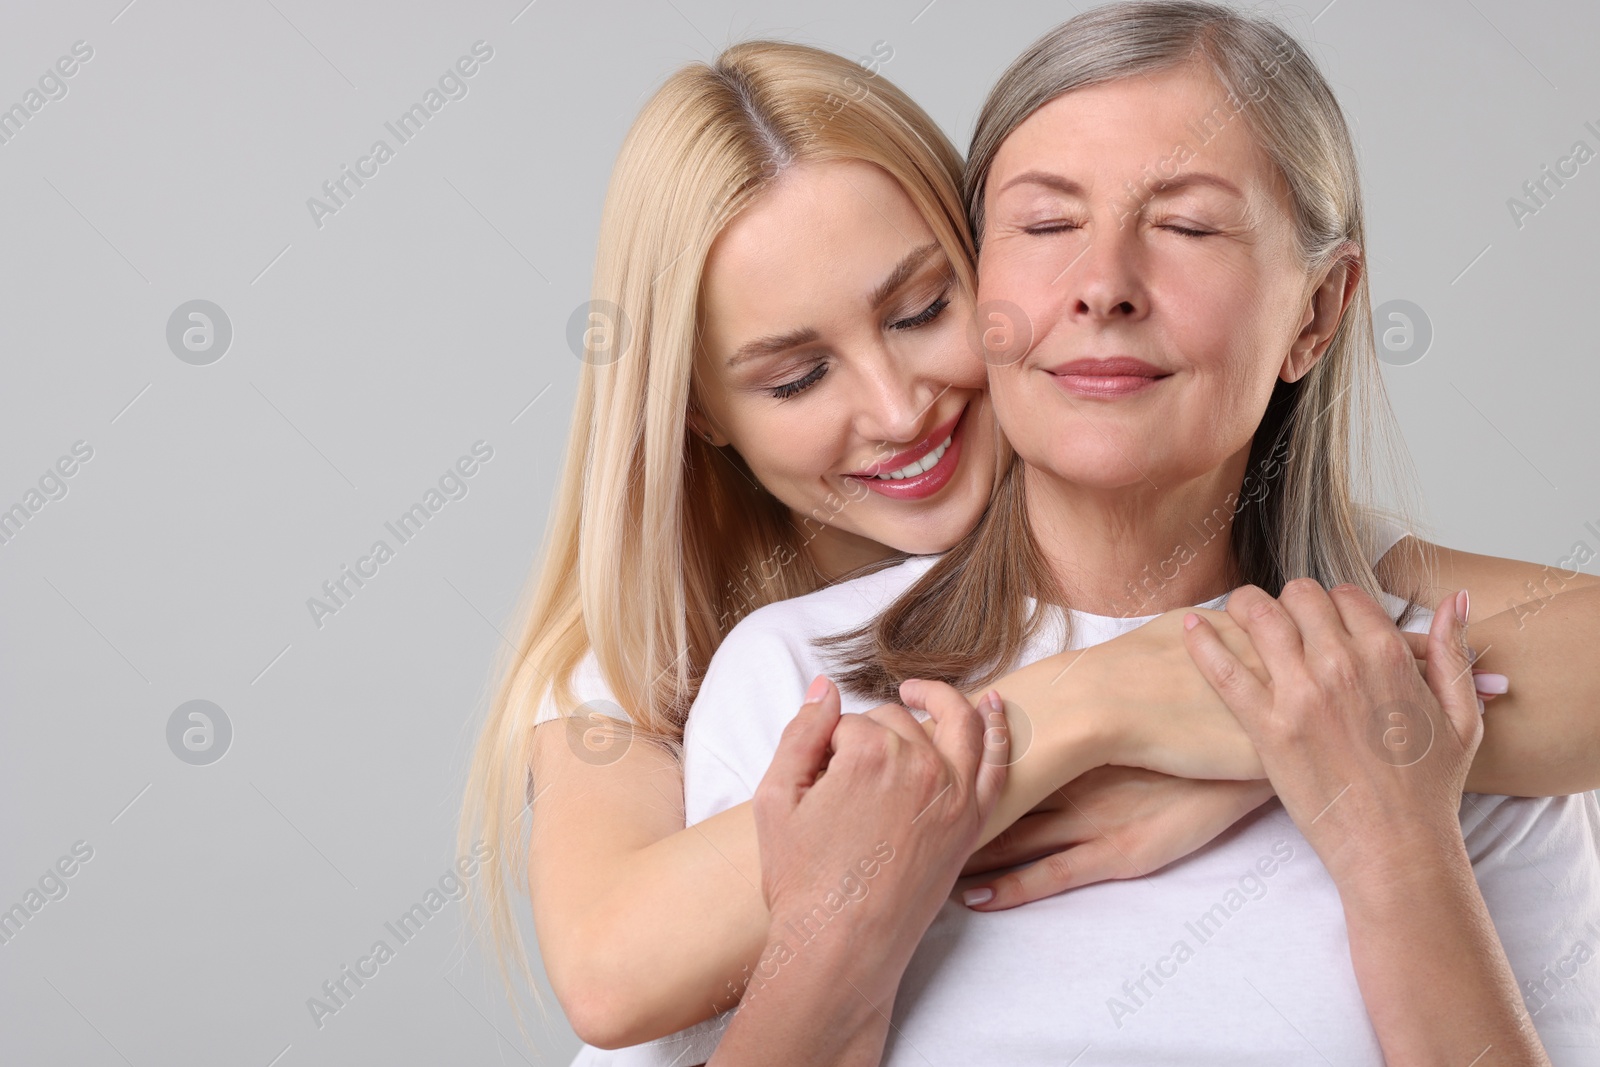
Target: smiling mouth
point(916, 467)
point(919, 471)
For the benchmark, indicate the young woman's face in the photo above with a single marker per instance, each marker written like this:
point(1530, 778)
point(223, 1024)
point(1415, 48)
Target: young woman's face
point(836, 361)
point(1155, 274)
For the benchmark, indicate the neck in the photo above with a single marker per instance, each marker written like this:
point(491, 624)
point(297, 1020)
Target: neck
point(1142, 549)
point(838, 553)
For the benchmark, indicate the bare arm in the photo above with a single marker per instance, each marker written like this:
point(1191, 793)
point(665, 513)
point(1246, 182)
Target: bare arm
point(1539, 626)
point(1433, 974)
point(646, 927)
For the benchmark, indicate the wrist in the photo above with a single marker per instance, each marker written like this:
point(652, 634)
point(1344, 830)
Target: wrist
point(1067, 705)
point(1390, 884)
point(847, 947)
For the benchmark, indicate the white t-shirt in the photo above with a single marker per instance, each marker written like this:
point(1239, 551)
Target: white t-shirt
point(1236, 954)
point(590, 688)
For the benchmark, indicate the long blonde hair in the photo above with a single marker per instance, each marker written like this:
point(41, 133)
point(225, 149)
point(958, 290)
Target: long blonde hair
point(659, 542)
point(966, 620)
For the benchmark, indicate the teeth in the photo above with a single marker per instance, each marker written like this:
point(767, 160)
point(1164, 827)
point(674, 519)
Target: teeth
point(911, 470)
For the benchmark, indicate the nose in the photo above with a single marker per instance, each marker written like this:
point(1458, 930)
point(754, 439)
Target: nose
point(894, 400)
point(1104, 283)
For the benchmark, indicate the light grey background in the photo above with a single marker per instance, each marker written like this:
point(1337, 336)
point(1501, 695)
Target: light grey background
point(430, 313)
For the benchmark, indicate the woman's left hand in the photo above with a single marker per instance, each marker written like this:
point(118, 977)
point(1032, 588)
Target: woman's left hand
point(1368, 758)
point(1111, 822)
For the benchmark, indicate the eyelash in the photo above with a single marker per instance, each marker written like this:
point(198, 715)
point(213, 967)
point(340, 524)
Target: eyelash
point(800, 385)
point(814, 375)
point(1062, 227)
point(923, 317)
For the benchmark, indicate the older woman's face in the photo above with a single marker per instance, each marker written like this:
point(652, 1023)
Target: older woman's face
point(1150, 260)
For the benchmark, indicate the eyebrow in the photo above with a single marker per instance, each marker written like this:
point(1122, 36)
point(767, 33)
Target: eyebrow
point(774, 344)
point(1175, 184)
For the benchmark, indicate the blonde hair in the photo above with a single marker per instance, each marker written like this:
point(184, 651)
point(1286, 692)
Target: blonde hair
point(659, 542)
point(966, 619)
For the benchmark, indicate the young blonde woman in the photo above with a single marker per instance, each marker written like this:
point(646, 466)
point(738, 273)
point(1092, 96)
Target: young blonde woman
point(665, 533)
point(1174, 341)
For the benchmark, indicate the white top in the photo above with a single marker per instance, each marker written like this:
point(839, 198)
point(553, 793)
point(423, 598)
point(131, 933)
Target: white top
point(1236, 954)
point(590, 687)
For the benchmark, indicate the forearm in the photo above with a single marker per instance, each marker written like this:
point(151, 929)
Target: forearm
point(1433, 974)
point(820, 1002)
point(643, 940)
point(1542, 738)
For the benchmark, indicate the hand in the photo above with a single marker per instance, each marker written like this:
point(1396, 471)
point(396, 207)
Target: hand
point(1368, 758)
point(877, 842)
point(1167, 717)
point(1113, 822)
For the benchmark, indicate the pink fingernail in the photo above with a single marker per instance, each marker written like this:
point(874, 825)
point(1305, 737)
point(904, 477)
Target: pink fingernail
point(819, 686)
point(977, 896)
point(1491, 684)
point(1190, 621)
point(1463, 606)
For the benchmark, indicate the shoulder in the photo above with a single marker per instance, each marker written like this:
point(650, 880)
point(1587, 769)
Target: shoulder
point(795, 625)
point(760, 672)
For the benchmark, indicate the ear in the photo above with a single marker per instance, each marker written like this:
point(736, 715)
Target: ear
point(702, 427)
point(1324, 311)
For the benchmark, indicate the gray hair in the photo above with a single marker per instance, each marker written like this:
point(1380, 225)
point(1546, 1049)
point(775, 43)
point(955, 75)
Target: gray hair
point(1321, 438)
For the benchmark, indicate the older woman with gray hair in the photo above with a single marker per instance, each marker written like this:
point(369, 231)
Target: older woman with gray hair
point(1166, 202)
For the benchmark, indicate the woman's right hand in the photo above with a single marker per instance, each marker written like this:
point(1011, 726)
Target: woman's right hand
point(875, 843)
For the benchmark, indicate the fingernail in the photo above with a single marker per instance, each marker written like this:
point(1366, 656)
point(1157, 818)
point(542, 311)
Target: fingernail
point(1491, 684)
point(1463, 606)
point(977, 896)
point(992, 702)
point(819, 686)
point(1190, 621)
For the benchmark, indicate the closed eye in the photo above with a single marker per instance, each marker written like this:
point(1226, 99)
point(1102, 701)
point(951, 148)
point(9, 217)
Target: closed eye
point(801, 384)
point(923, 317)
point(1187, 231)
point(1045, 228)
